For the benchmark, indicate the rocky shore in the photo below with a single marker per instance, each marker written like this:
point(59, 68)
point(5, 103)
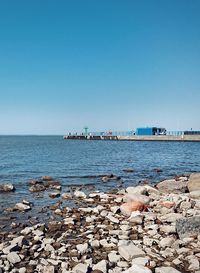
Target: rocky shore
point(142, 229)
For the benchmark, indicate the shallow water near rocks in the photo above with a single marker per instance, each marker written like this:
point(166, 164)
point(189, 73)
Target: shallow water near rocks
point(82, 163)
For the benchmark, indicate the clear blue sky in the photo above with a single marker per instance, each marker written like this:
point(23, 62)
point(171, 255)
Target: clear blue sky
point(107, 64)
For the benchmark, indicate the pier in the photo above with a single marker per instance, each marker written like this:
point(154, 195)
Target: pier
point(180, 138)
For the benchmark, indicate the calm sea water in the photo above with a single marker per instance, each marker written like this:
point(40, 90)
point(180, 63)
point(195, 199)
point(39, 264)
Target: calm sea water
point(23, 158)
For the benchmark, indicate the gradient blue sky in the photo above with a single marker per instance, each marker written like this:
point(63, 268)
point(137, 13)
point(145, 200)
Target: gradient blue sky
point(107, 64)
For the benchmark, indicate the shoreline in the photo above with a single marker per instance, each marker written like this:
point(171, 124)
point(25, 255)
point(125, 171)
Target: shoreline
point(137, 229)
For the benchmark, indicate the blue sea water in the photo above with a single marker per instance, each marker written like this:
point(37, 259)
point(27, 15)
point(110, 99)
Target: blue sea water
point(23, 158)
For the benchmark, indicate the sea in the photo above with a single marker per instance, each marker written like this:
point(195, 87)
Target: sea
point(79, 164)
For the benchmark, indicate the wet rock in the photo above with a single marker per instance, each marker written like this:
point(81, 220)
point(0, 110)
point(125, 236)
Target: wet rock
point(128, 208)
point(80, 194)
point(194, 182)
point(54, 194)
point(66, 196)
point(188, 227)
point(7, 188)
point(130, 251)
point(171, 185)
point(22, 207)
point(37, 188)
point(110, 177)
point(13, 258)
point(47, 178)
point(128, 170)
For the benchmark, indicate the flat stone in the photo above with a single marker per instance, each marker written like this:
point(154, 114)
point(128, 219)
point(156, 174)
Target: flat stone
point(188, 227)
point(171, 185)
point(82, 248)
point(113, 257)
point(130, 251)
point(165, 242)
point(102, 266)
point(80, 194)
point(49, 269)
point(22, 207)
point(13, 258)
point(80, 268)
point(37, 188)
point(166, 269)
point(136, 268)
point(137, 198)
point(54, 194)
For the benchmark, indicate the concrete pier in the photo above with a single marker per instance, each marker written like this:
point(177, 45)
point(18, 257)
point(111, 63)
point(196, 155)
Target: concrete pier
point(181, 138)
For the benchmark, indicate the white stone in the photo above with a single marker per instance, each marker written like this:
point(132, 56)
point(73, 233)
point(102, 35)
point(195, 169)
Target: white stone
point(22, 207)
point(80, 268)
point(130, 251)
point(102, 266)
point(13, 258)
point(82, 248)
point(166, 269)
point(165, 242)
point(141, 261)
point(136, 268)
point(113, 257)
point(112, 219)
point(79, 194)
point(95, 243)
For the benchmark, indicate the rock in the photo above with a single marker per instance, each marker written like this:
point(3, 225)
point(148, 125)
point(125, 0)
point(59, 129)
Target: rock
point(168, 229)
point(168, 204)
point(137, 198)
point(102, 266)
point(136, 217)
point(165, 242)
point(47, 178)
point(171, 217)
point(54, 194)
point(193, 263)
point(128, 208)
point(141, 261)
point(113, 257)
point(195, 194)
point(22, 207)
point(79, 194)
point(112, 219)
point(48, 269)
point(66, 196)
point(166, 269)
point(194, 182)
point(110, 177)
point(82, 248)
point(13, 258)
point(128, 170)
point(188, 227)
point(137, 268)
point(130, 251)
point(80, 268)
point(171, 185)
point(7, 188)
point(37, 188)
